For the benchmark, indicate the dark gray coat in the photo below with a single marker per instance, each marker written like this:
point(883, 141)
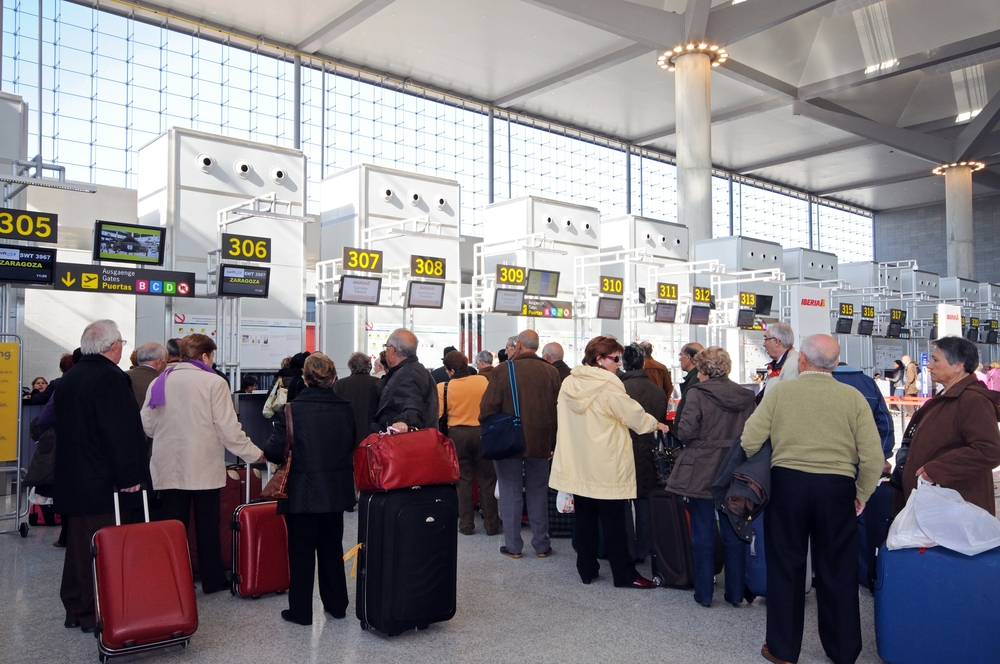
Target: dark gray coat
point(732, 489)
point(714, 414)
point(360, 389)
point(653, 400)
point(321, 477)
point(409, 394)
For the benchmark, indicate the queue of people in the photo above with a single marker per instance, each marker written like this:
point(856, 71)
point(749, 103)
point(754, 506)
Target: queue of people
point(588, 431)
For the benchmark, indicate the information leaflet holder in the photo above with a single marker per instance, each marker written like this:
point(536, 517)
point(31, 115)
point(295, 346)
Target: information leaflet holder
point(10, 429)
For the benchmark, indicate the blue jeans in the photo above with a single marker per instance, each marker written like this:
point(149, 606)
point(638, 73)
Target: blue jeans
point(704, 527)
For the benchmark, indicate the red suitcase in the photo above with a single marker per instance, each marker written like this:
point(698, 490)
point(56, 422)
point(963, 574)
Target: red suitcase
point(260, 550)
point(143, 588)
point(230, 497)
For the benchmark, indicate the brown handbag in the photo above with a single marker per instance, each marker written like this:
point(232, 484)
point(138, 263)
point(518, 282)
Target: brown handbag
point(277, 486)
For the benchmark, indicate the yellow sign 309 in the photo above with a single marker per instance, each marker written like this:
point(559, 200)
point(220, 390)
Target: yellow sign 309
point(511, 275)
point(25, 225)
point(612, 285)
point(427, 266)
point(362, 260)
point(702, 294)
point(247, 248)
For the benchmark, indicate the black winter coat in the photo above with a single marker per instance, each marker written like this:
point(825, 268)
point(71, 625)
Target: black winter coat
point(653, 400)
point(360, 389)
point(321, 477)
point(409, 394)
point(102, 445)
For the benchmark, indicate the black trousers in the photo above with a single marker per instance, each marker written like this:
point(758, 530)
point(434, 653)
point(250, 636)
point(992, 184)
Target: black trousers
point(821, 507)
point(309, 536)
point(611, 514)
point(176, 504)
point(77, 589)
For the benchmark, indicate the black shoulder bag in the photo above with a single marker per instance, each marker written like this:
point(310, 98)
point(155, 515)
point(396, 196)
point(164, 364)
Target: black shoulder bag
point(503, 436)
point(443, 420)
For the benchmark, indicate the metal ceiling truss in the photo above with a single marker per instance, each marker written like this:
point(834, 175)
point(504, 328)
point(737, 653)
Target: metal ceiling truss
point(717, 119)
point(347, 21)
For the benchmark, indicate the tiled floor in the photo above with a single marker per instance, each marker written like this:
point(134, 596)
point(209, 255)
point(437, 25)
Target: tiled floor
point(508, 610)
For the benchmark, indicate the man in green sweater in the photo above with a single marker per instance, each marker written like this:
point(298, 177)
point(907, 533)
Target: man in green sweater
point(825, 463)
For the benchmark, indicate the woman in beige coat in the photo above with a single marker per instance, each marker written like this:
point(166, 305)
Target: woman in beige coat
point(594, 460)
point(189, 414)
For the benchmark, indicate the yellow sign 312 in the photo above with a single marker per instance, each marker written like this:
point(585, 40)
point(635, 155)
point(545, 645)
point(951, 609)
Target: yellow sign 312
point(702, 294)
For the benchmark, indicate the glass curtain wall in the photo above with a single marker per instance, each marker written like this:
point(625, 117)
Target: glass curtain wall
point(111, 84)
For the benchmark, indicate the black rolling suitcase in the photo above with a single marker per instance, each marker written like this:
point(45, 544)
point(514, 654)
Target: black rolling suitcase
point(408, 563)
point(672, 563)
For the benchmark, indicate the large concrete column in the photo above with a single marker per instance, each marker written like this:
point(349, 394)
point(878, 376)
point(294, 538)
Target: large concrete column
point(958, 221)
point(693, 97)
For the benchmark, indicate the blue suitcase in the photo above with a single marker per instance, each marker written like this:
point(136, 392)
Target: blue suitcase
point(936, 605)
point(756, 561)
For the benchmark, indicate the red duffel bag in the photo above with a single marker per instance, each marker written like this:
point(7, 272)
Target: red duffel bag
point(397, 461)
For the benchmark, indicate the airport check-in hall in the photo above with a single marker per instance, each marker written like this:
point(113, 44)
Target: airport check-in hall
point(613, 229)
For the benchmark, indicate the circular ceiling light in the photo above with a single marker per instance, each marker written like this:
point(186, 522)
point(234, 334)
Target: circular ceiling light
point(668, 59)
point(973, 165)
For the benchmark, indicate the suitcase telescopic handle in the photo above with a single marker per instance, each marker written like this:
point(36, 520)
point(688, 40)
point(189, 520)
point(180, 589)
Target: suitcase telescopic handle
point(118, 513)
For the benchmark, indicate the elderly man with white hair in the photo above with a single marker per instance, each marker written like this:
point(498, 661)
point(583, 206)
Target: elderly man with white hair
point(825, 463)
point(784, 364)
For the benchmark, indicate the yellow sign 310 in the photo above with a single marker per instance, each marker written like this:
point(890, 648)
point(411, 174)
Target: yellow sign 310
point(362, 260)
point(246, 248)
point(427, 266)
point(612, 285)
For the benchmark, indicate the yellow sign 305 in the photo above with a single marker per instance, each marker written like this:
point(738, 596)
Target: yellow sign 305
point(702, 294)
point(511, 275)
point(427, 266)
point(362, 260)
point(612, 285)
point(25, 225)
point(247, 247)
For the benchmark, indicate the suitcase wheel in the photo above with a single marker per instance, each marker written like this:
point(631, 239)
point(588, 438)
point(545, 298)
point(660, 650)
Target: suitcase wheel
point(658, 580)
point(365, 626)
point(255, 597)
point(103, 658)
point(23, 529)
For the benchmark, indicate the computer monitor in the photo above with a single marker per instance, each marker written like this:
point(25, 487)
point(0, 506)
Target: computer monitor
point(542, 283)
point(972, 334)
point(866, 327)
point(844, 325)
point(425, 295)
point(746, 318)
point(666, 312)
point(698, 314)
point(933, 335)
point(129, 243)
point(27, 265)
point(763, 306)
point(892, 332)
point(609, 308)
point(991, 337)
point(508, 300)
point(359, 290)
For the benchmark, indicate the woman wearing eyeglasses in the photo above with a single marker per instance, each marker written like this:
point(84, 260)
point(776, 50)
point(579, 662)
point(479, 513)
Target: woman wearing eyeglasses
point(593, 459)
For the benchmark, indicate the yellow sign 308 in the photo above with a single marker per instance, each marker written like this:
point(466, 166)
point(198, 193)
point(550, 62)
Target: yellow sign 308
point(427, 266)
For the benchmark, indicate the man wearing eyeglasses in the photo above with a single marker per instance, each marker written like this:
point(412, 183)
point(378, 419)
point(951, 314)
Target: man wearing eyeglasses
point(102, 448)
point(408, 399)
point(784, 364)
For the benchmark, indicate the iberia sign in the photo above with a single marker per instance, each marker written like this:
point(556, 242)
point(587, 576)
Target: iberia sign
point(123, 280)
point(806, 302)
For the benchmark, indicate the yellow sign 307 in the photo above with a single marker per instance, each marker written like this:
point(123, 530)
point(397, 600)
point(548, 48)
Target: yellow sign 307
point(362, 260)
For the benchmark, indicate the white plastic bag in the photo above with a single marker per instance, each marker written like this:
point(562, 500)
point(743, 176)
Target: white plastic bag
point(947, 519)
point(905, 532)
point(936, 516)
point(565, 505)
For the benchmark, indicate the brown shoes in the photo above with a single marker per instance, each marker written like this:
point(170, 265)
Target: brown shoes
point(766, 654)
point(504, 551)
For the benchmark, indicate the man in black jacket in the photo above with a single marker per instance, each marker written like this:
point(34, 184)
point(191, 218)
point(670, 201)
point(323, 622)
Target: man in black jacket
point(409, 394)
point(688, 351)
point(441, 373)
point(102, 448)
point(553, 354)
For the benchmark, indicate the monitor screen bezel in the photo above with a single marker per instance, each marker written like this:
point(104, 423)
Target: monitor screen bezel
point(527, 283)
point(741, 317)
point(866, 327)
point(893, 330)
point(496, 294)
point(841, 321)
point(409, 290)
point(708, 312)
point(656, 314)
point(96, 253)
point(340, 293)
point(991, 337)
point(222, 292)
point(759, 306)
point(601, 300)
point(33, 282)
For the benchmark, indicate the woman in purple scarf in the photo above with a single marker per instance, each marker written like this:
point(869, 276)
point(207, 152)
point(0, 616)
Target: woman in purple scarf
point(190, 417)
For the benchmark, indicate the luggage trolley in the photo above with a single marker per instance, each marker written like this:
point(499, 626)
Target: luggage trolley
point(10, 425)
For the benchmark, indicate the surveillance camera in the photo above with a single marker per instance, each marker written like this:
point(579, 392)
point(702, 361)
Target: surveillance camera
point(586, 226)
point(278, 174)
point(649, 236)
point(663, 239)
point(548, 221)
point(205, 162)
point(567, 222)
point(441, 202)
point(242, 168)
point(414, 198)
point(386, 194)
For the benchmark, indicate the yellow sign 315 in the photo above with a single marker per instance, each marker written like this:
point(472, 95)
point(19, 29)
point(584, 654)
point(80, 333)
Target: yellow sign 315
point(246, 248)
point(362, 260)
point(846, 309)
point(427, 266)
point(25, 225)
point(702, 294)
point(511, 275)
point(612, 285)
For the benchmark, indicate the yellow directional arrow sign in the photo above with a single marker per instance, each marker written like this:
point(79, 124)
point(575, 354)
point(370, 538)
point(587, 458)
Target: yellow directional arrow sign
point(68, 280)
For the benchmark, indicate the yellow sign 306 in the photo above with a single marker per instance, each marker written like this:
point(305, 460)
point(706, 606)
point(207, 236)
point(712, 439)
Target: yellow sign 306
point(362, 260)
point(612, 285)
point(427, 266)
point(247, 247)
